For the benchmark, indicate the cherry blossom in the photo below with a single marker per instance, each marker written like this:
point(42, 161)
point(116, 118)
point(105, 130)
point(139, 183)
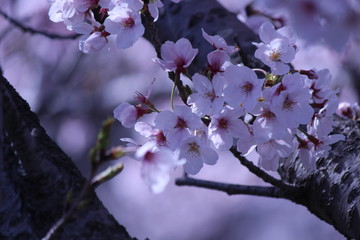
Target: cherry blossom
point(290, 101)
point(125, 22)
point(225, 126)
point(151, 133)
point(271, 151)
point(268, 122)
point(216, 61)
point(244, 88)
point(312, 148)
point(128, 114)
point(208, 99)
point(92, 43)
point(196, 152)
point(320, 86)
point(65, 11)
point(156, 164)
point(176, 56)
point(277, 49)
point(348, 110)
point(218, 43)
point(177, 124)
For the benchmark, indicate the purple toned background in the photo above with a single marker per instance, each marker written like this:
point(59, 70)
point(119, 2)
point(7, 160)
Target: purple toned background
point(72, 93)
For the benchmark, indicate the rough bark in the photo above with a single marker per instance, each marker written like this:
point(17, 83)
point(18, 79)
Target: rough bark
point(35, 177)
point(332, 192)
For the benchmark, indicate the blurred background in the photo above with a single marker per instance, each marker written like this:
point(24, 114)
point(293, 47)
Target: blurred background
point(72, 93)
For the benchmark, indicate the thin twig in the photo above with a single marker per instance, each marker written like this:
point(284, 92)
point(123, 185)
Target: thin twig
point(35, 31)
point(262, 174)
point(232, 189)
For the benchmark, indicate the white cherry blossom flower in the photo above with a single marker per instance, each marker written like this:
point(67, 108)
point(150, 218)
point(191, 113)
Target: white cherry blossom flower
point(349, 110)
point(271, 151)
point(65, 11)
point(128, 114)
point(92, 43)
point(176, 56)
point(216, 61)
point(276, 51)
point(244, 88)
point(177, 124)
point(156, 165)
point(267, 122)
point(125, 22)
point(312, 148)
point(290, 101)
point(151, 133)
point(196, 152)
point(225, 126)
point(218, 43)
point(323, 122)
point(207, 100)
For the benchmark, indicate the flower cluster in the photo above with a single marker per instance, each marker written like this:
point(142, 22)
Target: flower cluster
point(282, 115)
point(96, 20)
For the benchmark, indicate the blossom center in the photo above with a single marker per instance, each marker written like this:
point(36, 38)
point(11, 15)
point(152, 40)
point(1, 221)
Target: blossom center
point(268, 115)
point(149, 156)
point(128, 22)
point(275, 55)
point(179, 62)
point(193, 149)
point(160, 138)
point(288, 104)
point(180, 123)
point(247, 87)
point(309, 7)
point(223, 123)
point(210, 95)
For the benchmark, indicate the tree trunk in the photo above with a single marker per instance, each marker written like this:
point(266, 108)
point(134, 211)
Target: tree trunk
point(35, 177)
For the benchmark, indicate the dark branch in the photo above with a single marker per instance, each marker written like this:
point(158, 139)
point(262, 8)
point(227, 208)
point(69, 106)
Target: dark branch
point(35, 31)
point(233, 189)
point(262, 174)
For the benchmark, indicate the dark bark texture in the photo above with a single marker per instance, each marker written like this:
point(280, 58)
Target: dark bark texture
point(332, 192)
point(35, 177)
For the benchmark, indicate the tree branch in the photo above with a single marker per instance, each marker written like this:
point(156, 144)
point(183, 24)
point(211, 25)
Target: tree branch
point(264, 175)
point(35, 31)
point(232, 189)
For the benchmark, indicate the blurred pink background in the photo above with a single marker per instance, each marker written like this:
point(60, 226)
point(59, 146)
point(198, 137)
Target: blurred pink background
point(72, 93)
